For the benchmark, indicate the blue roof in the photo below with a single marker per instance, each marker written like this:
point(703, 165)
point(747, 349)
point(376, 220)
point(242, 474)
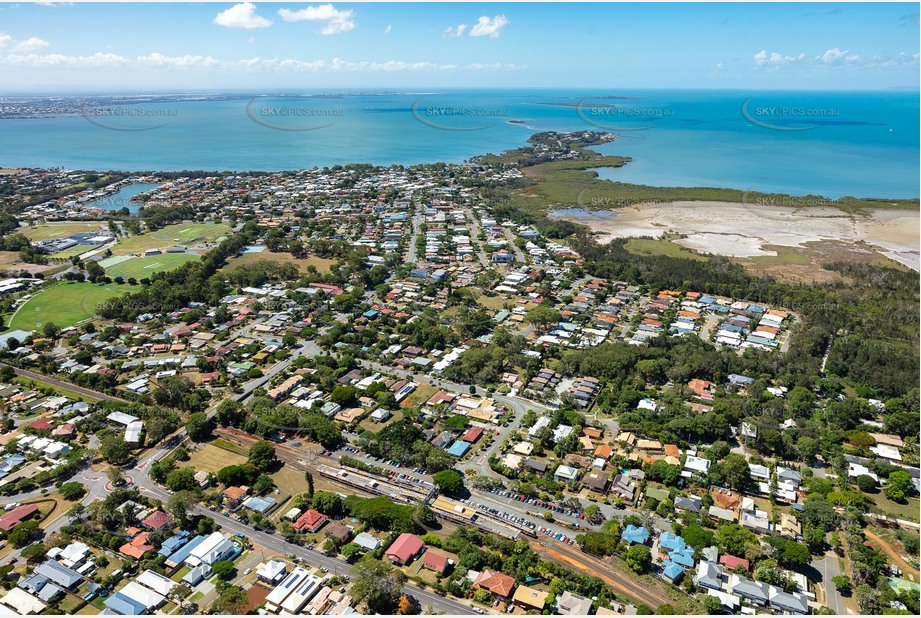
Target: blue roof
point(684, 557)
point(731, 327)
point(739, 379)
point(761, 340)
point(173, 543)
point(706, 300)
point(756, 309)
point(670, 542)
point(671, 570)
point(183, 553)
point(635, 534)
point(260, 505)
point(370, 313)
point(124, 605)
point(459, 448)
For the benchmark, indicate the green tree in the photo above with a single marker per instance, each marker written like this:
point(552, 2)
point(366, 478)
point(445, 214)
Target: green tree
point(224, 570)
point(712, 604)
point(34, 553)
point(795, 555)
point(24, 533)
point(843, 584)
point(449, 481)
point(231, 600)
point(376, 584)
point(866, 483)
point(262, 455)
point(898, 485)
point(114, 450)
point(732, 538)
point(198, 427)
point(72, 490)
point(637, 558)
point(181, 479)
point(735, 471)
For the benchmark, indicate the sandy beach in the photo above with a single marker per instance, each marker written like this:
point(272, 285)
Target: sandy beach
point(743, 230)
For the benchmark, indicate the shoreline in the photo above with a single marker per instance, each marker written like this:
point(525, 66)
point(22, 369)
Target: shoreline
point(734, 229)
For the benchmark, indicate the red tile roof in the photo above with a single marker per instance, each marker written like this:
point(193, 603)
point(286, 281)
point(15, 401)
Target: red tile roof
point(495, 582)
point(730, 562)
point(137, 546)
point(436, 562)
point(42, 424)
point(310, 520)
point(405, 547)
point(157, 520)
point(13, 518)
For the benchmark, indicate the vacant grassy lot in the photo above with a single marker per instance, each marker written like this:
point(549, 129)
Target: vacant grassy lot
point(188, 234)
point(141, 267)
point(61, 229)
point(909, 510)
point(211, 458)
point(65, 304)
point(9, 260)
point(322, 265)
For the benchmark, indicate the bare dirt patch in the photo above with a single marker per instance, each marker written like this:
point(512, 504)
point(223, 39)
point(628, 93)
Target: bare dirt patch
point(748, 231)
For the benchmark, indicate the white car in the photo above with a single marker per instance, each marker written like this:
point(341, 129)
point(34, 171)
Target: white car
point(247, 571)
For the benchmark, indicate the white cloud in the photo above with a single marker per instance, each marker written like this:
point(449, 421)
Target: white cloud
point(65, 62)
point(334, 21)
point(763, 59)
point(160, 61)
point(494, 66)
point(388, 29)
point(489, 27)
point(8, 43)
point(454, 33)
point(242, 15)
point(834, 59)
point(54, 5)
point(836, 56)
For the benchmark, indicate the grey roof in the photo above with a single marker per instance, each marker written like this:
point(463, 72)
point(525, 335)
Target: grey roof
point(709, 575)
point(756, 591)
point(791, 602)
point(59, 574)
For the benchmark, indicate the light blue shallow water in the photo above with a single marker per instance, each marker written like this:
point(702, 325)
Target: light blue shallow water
point(861, 144)
point(122, 198)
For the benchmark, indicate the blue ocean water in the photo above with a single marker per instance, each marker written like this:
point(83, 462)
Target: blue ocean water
point(861, 144)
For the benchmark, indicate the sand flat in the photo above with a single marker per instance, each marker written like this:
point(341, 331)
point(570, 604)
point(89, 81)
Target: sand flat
point(743, 230)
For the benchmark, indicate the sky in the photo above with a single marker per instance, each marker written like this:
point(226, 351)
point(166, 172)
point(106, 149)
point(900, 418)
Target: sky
point(171, 47)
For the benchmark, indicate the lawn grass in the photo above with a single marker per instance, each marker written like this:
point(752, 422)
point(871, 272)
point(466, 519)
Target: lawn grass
point(61, 229)
point(64, 304)
point(649, 246)
point(909, 510)
point(211, 457)
point(187, 234)
point(141, 267)
point(322, 264)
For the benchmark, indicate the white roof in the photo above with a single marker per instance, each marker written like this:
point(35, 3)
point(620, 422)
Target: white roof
point(271, 569)
point(121, 418)
point(22, 602)
point(156, 582)
point(366, 541)
point(286, 586)
point(143, 595)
